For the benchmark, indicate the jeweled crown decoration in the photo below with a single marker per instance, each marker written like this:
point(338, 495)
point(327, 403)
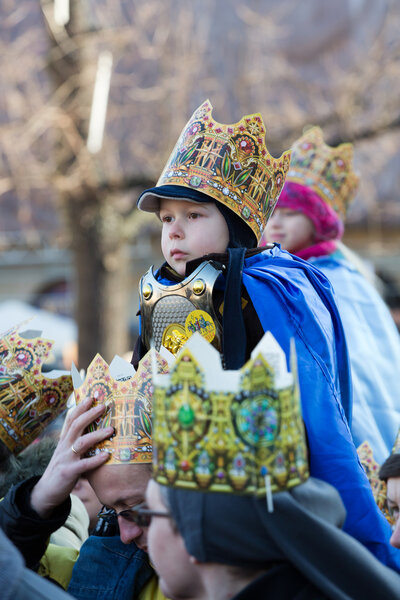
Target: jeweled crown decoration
point(371, 468)
point(29, 399)
point(224, 431)
point(327, 170)
point(230, 163)
point(128, 402)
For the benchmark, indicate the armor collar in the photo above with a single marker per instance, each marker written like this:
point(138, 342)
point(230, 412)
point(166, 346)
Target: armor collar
point(219, 259)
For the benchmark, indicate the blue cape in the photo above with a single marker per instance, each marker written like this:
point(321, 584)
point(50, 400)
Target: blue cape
point(293, 299)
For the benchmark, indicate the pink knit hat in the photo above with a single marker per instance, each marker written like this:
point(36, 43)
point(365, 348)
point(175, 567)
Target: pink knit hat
point(298, 197)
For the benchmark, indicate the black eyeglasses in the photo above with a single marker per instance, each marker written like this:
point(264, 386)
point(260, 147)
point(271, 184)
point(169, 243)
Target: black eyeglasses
point(139, 514)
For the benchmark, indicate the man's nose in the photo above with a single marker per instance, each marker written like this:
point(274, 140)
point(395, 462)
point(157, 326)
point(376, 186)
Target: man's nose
point(395, 539)
point(128, 531)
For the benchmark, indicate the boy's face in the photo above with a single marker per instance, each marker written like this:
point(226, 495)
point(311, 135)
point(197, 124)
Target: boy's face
point(291, 229)
point(191, 230)
point(393, 503)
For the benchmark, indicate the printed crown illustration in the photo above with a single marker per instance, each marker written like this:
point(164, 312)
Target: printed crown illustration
point(225, 431)
point(371, 468)
point(327, 170)
point(127, 395)
point(29, 399)
point(230, 163)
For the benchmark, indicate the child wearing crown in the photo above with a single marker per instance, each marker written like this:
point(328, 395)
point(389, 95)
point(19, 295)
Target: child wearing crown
point(308, 222)
point(214, 198)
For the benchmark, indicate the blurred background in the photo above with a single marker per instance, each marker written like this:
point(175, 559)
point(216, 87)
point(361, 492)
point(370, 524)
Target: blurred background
point(94, 94)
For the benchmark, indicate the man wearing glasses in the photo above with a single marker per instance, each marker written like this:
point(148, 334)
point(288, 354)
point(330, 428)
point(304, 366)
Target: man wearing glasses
point(106, 565)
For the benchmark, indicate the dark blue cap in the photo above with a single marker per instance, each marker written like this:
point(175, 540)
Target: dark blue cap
point(149, 200)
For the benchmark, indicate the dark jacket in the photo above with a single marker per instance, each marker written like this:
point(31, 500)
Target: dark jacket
point(27, 530)
point(281, 582)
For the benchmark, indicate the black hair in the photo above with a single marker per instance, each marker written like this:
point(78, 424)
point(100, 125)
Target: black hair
point(240, 234)
point(390, 468)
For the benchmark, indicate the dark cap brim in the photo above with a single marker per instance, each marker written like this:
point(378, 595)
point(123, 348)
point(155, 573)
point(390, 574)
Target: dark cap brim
point(149, 200)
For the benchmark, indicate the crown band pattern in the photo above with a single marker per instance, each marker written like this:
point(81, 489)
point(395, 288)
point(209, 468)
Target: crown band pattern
point(230, 163)
point(371, 467)
point(29, 400)
point(224, 431)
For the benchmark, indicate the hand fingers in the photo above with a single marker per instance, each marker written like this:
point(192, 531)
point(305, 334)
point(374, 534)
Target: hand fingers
point(88, 464)
point(78, 410)
point(81, 421)
point(85, 442)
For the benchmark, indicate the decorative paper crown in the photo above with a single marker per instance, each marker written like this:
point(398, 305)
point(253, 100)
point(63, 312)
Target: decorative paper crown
point(127, 395)
point(230, 163)
point(29, 400)
point(327, 170)
point(225, 431)
point(396, 445)
point(371, 468)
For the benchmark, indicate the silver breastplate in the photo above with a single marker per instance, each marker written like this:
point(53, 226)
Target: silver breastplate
point(172, 313)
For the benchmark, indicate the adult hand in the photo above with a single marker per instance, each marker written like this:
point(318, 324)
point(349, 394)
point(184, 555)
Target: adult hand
point(66, 464)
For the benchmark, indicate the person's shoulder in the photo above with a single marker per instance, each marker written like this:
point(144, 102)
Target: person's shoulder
point(57, 564)
point(267, 255)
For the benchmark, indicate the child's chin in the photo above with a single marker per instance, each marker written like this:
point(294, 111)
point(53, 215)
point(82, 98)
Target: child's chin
point(179, 267)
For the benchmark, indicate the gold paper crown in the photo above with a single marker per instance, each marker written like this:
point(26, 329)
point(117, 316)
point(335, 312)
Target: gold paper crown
point(225, 431)
point(378, 486)
point(128, 407)
point(327, 170)
point(230, 163)
point(29, 400)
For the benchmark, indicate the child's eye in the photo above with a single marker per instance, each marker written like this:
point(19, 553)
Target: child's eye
point(194, 215)
point(165, 219)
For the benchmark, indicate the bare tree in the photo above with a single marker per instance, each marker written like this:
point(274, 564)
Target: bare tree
point(314, 62)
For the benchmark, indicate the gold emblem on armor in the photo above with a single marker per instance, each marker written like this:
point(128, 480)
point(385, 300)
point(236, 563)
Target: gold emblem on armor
point(200, 321)
point(174, 337)
point(198, 287)
point(147, 291)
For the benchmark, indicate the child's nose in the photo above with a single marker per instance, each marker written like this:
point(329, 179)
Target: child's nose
point(175, 230)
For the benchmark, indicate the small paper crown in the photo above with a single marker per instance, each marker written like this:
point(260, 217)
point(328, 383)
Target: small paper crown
point(230, 163)
point(127, 395)
point(327, 170)
point(229, 431)
point(371, 468)
point(29, 399)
